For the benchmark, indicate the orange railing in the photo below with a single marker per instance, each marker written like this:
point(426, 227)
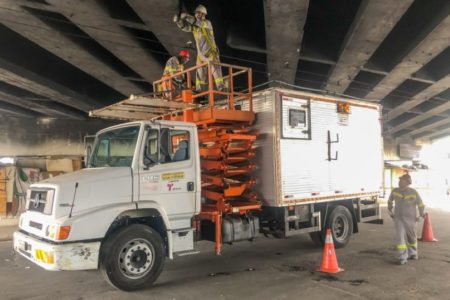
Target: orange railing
point(231, 94)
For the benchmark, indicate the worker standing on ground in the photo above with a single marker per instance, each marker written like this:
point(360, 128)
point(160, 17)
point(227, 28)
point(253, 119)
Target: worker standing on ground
point(406, 201)
point(207, 50)
point(175, 64)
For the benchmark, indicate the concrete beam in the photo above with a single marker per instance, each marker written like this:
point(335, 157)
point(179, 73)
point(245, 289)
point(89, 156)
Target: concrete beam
point(432, 112)
point(419, 98)
point(50, 39)
point(50, 8)
point(373, 22)
point(427, 49)
point(158, 16)
point(49, 108)
point(27, 80)
point(285, 20)
point(92, 19)
point(426, 128)
point(436, 134)
point(23, 112)
point(365, 69)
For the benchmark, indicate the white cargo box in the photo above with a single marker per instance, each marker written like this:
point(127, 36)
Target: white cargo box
point(314, 148)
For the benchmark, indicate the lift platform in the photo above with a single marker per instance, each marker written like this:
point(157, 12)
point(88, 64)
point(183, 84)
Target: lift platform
point(141, 107)
point(226, 142)
point(169, 103)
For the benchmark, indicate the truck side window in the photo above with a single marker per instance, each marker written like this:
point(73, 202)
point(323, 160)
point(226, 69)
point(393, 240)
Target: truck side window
point(297, 117)
point(179, 145)
point(166, 146)
point(151, 148)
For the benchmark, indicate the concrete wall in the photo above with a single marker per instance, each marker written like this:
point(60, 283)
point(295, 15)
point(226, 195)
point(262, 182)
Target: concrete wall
point(35, 137)
point(390, 149)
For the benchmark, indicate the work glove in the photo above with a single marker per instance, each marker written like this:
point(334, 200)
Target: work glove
point(420, 217)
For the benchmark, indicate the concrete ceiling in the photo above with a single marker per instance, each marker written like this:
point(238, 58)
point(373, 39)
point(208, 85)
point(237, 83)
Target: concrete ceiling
point(62, 58)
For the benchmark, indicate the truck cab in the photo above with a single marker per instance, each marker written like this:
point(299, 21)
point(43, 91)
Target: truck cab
point(126, 212)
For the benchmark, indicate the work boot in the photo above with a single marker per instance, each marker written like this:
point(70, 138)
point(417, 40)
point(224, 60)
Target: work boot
point(402, 262)
point(414, 257)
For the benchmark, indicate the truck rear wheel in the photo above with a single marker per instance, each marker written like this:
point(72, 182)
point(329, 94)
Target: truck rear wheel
point(132, 258)
point(340, 222)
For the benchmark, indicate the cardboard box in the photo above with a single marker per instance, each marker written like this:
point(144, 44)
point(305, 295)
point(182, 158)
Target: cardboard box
point(77, 164)
point(65, 165)
point(47, 175)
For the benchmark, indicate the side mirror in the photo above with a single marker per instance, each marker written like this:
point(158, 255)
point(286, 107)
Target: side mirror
point(148, 161)
point(87, 155)
point(88, 143)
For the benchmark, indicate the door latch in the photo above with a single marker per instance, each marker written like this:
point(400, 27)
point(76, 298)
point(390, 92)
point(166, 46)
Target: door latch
point(329, 142)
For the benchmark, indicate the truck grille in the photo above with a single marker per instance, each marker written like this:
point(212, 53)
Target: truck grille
point(41, 200)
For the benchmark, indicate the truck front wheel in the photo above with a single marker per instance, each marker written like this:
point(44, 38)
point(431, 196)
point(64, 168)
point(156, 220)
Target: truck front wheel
point(132, 258)
point(340, 222)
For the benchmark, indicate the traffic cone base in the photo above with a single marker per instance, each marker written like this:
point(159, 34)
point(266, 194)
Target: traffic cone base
point(427, 231)
point(329, 259)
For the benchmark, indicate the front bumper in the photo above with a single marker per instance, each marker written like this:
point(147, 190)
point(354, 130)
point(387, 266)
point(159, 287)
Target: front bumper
point(56, 257)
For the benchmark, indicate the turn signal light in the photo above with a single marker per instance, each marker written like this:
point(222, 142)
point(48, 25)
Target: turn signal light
point(343, 108)
point(57, 232)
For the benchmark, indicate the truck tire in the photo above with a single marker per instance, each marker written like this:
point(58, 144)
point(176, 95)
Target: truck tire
point(340, 222)
point(132, 258)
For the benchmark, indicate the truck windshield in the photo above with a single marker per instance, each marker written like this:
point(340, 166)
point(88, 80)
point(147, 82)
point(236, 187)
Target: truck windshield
point(115, 148)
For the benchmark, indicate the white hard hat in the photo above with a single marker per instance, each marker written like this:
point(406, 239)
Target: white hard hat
point(202, 9)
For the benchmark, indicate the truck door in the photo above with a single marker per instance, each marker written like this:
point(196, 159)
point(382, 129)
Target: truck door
point(167, 172)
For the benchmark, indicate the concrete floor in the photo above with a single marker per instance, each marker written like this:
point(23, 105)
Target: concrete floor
point(264, 269)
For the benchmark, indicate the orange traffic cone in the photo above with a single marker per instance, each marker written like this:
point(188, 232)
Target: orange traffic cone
point(329, 260)
point(427, 231)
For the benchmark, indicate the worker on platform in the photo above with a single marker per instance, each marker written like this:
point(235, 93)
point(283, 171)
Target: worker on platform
point(207, 50)
point(406, 201)
point(171, 87)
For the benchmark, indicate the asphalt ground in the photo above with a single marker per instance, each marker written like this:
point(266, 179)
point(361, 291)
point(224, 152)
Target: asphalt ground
point(266, 268)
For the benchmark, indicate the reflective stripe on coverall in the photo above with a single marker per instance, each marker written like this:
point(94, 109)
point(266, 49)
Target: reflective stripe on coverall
point(206, 50)
point(405, 215)
point(173, 66)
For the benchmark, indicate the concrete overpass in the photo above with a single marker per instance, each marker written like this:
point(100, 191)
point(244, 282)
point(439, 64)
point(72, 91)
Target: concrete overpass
point(61, 58)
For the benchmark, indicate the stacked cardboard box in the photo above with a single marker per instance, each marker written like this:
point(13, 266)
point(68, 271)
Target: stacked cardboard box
point(3, 198)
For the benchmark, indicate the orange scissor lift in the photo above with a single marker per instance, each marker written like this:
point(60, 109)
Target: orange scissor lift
point(226, 142)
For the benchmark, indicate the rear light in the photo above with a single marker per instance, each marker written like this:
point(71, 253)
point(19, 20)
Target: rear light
point(57, 232)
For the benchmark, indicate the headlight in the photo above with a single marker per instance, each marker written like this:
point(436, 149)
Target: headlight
point(57, 232)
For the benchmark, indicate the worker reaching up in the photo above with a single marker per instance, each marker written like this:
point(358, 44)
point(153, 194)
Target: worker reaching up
point(207, 50)
point(175, 64)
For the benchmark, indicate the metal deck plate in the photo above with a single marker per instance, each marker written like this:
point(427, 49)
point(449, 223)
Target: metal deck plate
point(140, 108)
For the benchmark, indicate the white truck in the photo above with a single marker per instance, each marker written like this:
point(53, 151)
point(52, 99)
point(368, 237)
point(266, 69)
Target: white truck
point(319, 165)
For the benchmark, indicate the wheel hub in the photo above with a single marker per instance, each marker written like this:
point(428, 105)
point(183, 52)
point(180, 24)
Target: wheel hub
point(136, 258)
point(340, 228)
